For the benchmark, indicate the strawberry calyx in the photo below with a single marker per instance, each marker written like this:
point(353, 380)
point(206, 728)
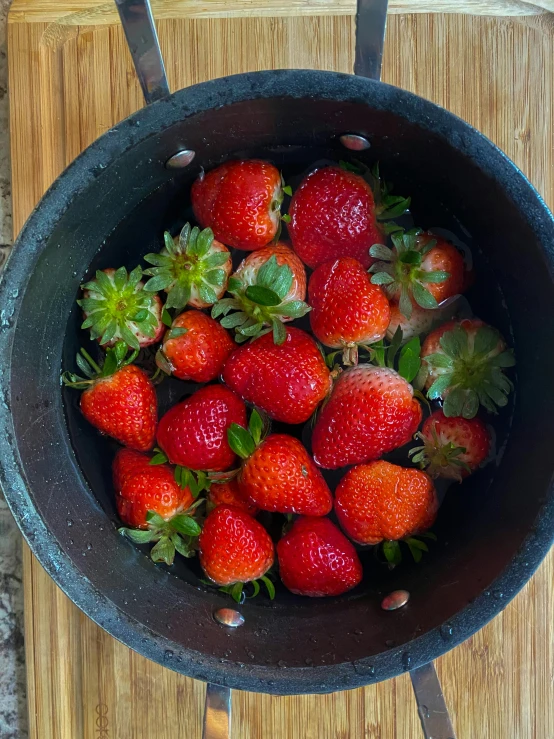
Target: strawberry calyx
point(238, 593)
point(177, 534)
point(189, 267)
point(197, 481)
point(245, 441)
point(404, 359)
point(262, 306)
point(387, 206)
point(398, 270)
point(117, 307)
point(116, 358)
point(392, 550)
point(470, 374)
point(436, 458)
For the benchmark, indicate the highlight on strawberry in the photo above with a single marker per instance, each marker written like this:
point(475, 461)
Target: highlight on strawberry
point(465, 364)
point(116, 307)
point(192, 269)
point(268, 290)
point(277, 473)
point(418, 268)
point(119, 398)
point(154, 507)
point(452, 448)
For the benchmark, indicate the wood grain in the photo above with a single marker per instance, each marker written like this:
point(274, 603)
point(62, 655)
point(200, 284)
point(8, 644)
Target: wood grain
point(496, 73)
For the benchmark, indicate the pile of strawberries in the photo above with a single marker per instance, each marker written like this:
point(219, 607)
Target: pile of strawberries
point(354, 388)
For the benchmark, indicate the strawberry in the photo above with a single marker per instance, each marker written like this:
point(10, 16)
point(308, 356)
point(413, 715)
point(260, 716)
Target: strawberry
point(193, 434)
point(421, 320)
point(235, 549)
point(287, 381)
point(229, 493)
point(332, 214)
point(371, 411)
point(240, 201)
point(452, 447)
point(278, 474)
point(194, 348)
point(119, 398)
point(465, 362)
point(268, 289)
point(419, 267)
point(382, 501)
point(316, 559)
point(192, 268)
point(347, 310)
point(117, 308)
point(149, 499)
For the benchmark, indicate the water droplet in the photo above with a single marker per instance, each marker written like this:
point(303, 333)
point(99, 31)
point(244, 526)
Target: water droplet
point(363, 669)
point(486, 592)
point(424, 712)
point(125, 602)
point(390, 643)
point(69, 522)
point(89, 546)
point(446, 631)
point(281, 663)
point(498, 594)
point(314, 639)
point(168, 654)
point(358, 632)
point(250, 654)
point(71, 541)
point(309, 661)
point(406, 660)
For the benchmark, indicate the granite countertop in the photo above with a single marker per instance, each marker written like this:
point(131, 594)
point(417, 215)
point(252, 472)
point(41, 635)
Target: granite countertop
point(13, 708)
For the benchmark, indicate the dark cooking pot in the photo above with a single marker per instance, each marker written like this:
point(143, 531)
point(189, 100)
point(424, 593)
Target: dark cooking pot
point(54, 469)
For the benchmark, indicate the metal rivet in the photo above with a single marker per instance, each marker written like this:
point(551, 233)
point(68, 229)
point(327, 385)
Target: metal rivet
point(180, 159)
point(229, 617)
point(394, 600)
point(354, 141)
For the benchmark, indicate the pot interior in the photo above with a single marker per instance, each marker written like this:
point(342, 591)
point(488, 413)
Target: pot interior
point(458, 182)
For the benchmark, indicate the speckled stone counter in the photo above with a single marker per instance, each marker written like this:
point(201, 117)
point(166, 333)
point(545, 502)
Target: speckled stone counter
point(13, 709)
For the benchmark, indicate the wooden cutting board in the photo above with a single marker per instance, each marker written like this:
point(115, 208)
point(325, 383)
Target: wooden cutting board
point(72, 79)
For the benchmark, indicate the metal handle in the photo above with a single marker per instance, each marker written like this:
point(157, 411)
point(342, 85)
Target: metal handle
point(217, 713)
point(431, 707)
point(371, 23)
point(142, 39)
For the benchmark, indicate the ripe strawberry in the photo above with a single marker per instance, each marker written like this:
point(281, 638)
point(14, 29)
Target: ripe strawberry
point(194, 348)
point(268, 289)
point(278, 474)
point(235, 548)
point(371, 411)
point(192, 268)
point(316, 559)
point(119, 398)
point(240, 201)
point(465, 362)
point(287, 381)
point(452, 447)
point(420, 268)
point(347, 309)
point(380, 500)
point(149, 499)
point(229, 493)
point(193, 434)
point(117, 308)
point(333, 215)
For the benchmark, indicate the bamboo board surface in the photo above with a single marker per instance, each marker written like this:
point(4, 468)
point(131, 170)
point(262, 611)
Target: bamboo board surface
point(67, 89)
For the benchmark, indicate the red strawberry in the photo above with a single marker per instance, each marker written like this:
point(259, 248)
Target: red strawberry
point(194, 348)
point(315, 559)
point(119, 399)
point(465, 362)
point(193, 434)
point(371, 411)
point(192, 268)
point(347, 309)
point(333, 215)
point(148, 498)
point(117, 308)
point(229, 493)
point(380, 500)
point(287, 381)
point(420, 268)
point(452, 447)
point(235, 548)
point(240, 201)
point(278, 474)
point(268, 289)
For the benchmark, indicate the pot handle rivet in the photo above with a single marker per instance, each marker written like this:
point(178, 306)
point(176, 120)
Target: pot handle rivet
point(181, 159)
point(229, 617)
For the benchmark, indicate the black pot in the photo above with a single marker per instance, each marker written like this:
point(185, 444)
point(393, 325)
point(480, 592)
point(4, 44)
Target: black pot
point(55, 470)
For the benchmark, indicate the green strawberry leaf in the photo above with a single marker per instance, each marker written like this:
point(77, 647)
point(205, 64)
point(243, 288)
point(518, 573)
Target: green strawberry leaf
point(154, 519)
point(240, 441)
point(138, 536)
point(269, 586)
point(423, 297)
point(279, 332)
point(175, 333)
point(391, 550)
point(381, 252)
point(185, 525)
point(394, 346)
point(158, 458)
point(256, 426)
point(382, 278)
point(163, 551)
point(439, 386)
point(287, 189)
point(409, 361)
point(166, 318)
point(262, 295)
point(437, 276)
point(267, 273)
